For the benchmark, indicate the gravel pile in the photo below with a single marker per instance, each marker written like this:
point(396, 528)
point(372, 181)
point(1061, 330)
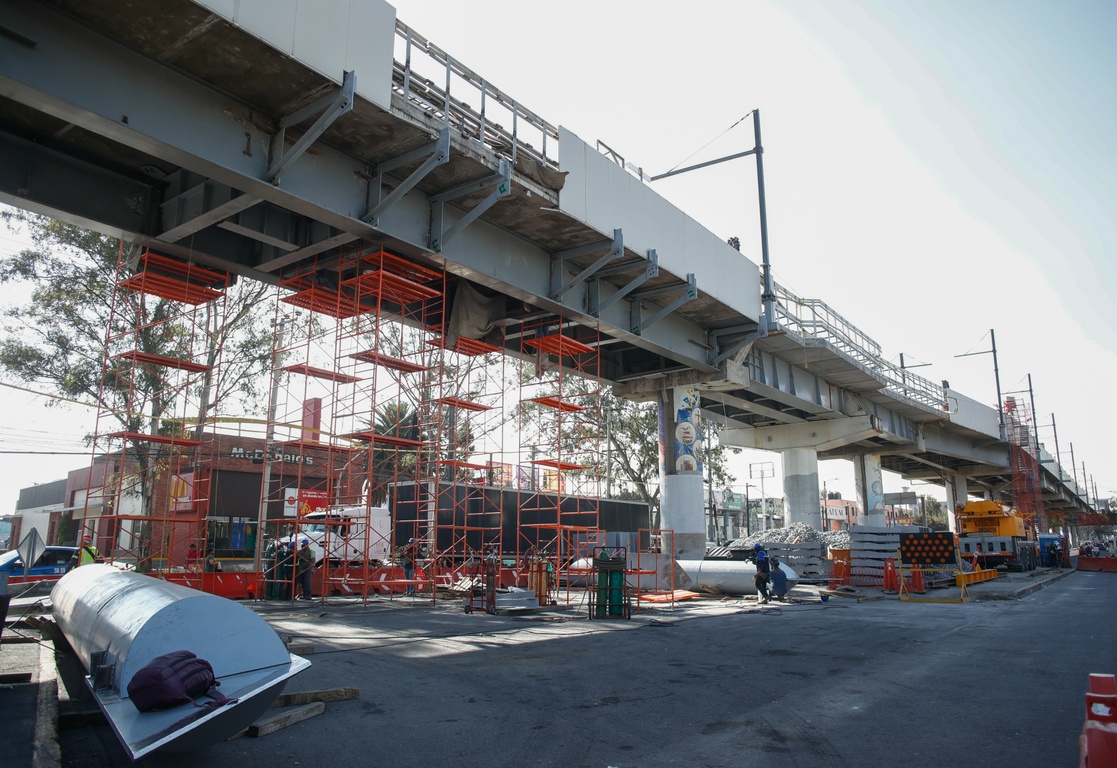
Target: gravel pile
point(797, 533)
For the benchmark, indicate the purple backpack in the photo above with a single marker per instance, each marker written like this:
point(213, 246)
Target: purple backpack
point(173, 679)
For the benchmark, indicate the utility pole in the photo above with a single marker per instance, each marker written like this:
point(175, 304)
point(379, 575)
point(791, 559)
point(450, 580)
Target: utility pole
point(1038, 480)
point(269, 435)
point(713, 516)
point(996, 376)
point(1058, 453)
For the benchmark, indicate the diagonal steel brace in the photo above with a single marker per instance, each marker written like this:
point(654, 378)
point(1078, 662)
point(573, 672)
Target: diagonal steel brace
point(331, 106)
point(439, 151)
point(616, 250)
point(595, 305)
point(640, 325)
point(502, 180)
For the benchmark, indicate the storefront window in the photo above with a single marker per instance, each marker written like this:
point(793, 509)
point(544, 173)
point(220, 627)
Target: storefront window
point(232, 536)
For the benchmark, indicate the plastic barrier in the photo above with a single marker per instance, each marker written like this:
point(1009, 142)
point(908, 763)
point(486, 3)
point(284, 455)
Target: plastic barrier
point(1097, 746)
point(839, 574)
point(891, 578)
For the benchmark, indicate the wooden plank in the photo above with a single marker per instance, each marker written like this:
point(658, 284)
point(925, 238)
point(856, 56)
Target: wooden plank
point(308, 697)
point(281, 721)
point(301, 650)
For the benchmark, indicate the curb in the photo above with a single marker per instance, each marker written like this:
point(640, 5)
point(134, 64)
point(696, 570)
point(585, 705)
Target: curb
point(47, 751)
point(1022, 591)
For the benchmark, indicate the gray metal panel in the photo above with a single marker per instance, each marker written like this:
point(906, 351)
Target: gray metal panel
point(605, 196)
point(329, 37)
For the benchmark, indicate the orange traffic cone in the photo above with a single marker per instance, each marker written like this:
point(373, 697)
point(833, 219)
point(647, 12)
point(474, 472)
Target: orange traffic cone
point(916, 583)
point(891, 583)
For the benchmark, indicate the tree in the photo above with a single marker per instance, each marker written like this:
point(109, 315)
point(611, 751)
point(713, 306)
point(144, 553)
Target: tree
point(56, 338)
point(633, 458)
point(932, 514)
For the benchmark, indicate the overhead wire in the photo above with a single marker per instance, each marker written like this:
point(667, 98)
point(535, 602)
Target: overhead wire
point(711, 141)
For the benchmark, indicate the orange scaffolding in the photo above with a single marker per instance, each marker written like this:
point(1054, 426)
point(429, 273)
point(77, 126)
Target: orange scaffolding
point(1027, 483)
point(147, 494)
point(404, 441)
point(559, 419)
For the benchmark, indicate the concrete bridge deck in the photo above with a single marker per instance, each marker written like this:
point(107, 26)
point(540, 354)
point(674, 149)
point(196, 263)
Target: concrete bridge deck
point(273, 143)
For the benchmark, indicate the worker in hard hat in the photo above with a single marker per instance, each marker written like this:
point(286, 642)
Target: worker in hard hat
point(763, 573)
point(86, 554)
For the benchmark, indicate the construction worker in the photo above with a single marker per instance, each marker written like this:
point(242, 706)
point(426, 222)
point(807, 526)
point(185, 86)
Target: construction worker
point(271, 565)
point(87, 553)
point(409, 555)
point(779, 580)
point(284, 558)
point(304, 565)
point(763, 573)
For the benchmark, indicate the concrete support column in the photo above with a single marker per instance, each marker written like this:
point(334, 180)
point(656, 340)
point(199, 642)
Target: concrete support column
point(800, 486)
point(681, 507)
point(956, 494)
point(870, 489)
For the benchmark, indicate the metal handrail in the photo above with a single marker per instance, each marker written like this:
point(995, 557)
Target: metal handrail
point(439, 102)
point(813, 322)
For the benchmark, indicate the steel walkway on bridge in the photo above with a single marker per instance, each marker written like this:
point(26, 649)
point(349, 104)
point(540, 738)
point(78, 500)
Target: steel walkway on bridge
point(233, 142)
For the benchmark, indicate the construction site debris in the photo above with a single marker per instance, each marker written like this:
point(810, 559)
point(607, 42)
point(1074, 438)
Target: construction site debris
point(278, 722)
point(309, 697)
point(796, 533)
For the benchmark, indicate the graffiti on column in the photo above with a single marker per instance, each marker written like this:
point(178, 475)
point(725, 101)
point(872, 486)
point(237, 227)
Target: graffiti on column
point(688, 432)
point(876, 497)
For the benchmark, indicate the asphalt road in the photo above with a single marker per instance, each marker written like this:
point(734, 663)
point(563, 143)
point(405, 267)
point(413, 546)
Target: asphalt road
point(712, 683)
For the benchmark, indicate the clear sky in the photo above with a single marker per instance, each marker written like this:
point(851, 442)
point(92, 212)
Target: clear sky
point(933, 170)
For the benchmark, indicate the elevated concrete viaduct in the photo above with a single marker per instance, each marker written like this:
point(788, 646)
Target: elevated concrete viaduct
point(275, 140)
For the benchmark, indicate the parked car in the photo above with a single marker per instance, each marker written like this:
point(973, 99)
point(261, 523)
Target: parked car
point(54, 562)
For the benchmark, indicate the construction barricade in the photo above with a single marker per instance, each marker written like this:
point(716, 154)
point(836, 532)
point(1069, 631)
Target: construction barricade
point(1097, 746)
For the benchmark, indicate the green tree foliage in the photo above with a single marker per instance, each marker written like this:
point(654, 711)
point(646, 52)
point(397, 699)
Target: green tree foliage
point(632, 452)
point(61, 304)
point(932, 513)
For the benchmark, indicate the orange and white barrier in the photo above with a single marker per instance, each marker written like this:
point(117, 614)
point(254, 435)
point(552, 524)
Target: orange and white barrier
point(1097, 746)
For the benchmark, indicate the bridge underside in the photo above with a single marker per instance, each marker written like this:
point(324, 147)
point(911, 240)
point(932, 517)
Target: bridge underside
point(167, 126)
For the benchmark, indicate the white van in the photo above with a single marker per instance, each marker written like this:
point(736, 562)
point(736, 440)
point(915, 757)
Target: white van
point(353, 534)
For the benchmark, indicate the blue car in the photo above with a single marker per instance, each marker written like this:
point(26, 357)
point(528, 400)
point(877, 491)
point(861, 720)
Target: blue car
point(54, 562)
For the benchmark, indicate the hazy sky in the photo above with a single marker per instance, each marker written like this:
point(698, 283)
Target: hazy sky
point(933, 170)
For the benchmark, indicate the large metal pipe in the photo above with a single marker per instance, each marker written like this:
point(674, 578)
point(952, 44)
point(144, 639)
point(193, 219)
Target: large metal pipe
point(733, 577)
point(117, 621)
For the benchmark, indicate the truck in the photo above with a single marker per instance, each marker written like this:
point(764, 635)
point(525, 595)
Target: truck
point(996, 535)
point(353, 535)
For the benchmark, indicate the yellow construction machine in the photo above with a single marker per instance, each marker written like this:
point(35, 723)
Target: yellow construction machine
point(996, 535)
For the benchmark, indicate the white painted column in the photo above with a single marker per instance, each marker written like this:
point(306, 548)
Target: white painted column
point(800, 486)
point(870, 489)
point(681, 507)
point(956, 494)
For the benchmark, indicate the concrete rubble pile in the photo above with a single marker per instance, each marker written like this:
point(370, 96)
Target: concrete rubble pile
point(796, 533)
